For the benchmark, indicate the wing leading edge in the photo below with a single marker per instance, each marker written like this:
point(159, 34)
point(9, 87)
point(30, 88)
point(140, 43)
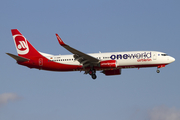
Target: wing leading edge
point(84, 59)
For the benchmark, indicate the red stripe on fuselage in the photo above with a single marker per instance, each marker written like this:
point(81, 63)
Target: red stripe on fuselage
point(141, 66)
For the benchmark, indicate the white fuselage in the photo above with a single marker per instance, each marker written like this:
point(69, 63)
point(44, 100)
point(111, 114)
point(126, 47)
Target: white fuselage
point(129, 59)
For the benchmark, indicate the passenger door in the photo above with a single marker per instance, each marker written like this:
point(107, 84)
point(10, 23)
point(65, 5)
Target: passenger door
point(154, 55)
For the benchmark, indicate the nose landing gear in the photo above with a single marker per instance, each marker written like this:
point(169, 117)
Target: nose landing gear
point(160, 66)
point(158, 71)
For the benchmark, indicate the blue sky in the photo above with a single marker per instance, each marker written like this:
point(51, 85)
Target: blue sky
point(90, 26)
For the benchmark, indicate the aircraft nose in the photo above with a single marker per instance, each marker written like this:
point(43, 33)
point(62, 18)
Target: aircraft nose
point(171, 59)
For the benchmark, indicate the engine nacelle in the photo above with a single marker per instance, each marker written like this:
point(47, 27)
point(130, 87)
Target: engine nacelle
point(112, 72)
point(108, 64)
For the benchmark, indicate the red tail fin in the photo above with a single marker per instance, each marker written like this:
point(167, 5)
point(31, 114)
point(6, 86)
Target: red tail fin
point(24, 48)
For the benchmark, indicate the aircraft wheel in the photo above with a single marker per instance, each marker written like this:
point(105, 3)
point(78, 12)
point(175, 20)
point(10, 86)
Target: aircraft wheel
point(93, 76)
point(158, 71)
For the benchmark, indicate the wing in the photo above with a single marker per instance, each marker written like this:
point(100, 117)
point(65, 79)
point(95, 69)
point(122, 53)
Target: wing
point(84, 59)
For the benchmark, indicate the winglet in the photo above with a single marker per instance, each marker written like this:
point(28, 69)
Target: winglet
point(60, 40)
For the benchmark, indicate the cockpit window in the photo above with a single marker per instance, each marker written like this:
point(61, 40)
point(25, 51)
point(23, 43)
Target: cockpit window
point(164, 55)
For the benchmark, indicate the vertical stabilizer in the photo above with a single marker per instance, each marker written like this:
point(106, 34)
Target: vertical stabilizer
point(23, 47)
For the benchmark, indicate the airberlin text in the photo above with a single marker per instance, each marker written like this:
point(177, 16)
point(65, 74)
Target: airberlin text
point(142, 57)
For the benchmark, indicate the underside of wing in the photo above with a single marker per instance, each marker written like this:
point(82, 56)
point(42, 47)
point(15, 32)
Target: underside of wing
point(84, 59)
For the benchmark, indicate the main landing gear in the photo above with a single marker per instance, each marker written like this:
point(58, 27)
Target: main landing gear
point(92, 72)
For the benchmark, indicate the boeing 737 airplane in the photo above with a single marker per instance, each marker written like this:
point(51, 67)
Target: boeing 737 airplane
point(109, 63)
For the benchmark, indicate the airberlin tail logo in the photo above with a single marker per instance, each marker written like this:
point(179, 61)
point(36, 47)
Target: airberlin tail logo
point(21, 44)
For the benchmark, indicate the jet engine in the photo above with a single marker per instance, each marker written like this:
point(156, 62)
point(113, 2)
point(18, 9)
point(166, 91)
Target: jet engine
point(112, 72)
point(108, 64)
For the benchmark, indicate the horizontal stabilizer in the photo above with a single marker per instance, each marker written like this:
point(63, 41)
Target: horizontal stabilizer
point(18, 58)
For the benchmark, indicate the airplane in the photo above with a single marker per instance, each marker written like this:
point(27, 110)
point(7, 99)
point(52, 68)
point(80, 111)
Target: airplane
point(109, 63)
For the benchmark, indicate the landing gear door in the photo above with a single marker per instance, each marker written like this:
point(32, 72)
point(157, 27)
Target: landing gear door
point(154, 56)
